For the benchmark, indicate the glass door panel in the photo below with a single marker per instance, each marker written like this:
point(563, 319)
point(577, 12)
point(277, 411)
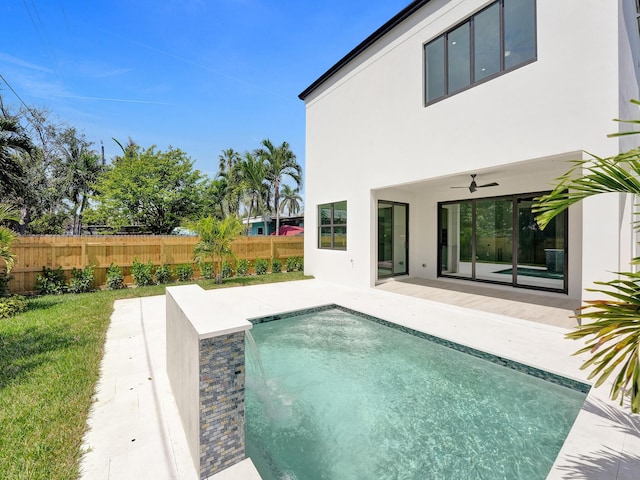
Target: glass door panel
point(541, 253)
point(456, 239)
point(385, 238)
point(399, 239)
point(393, 231)
point(494, 239)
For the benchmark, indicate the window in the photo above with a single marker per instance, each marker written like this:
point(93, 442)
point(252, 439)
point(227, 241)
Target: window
point(332, 226)
point(497, 39)
point(498, 240)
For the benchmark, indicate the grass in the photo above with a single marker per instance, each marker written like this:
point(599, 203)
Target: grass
point(49, 364)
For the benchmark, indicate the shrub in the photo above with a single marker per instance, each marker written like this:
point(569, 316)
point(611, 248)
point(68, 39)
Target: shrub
point(115, 278)
point(206, 270)
point(142, 273)
point(81, 280)
point(261, 266)
point(51, 281)
point(276, 265)
point(300, 264)
point(5, 278)
point(164, 274)
point(10, 306)
point(227, 271)
point(290, 263)
point(184, 272)
point(242, 268)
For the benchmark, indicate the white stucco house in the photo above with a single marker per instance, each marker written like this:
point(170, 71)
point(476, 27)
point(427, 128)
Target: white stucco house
point(503, 93)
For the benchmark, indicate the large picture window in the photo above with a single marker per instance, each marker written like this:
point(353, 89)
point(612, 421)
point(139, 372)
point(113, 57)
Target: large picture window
point(332, 226)
point(497, 39)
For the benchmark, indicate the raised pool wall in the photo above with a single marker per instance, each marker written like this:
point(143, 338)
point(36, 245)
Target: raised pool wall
point(206, 370)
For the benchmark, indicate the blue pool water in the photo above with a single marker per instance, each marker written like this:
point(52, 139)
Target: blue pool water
point(344, 397)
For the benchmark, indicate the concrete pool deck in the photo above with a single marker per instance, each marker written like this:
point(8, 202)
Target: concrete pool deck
point(134, 426)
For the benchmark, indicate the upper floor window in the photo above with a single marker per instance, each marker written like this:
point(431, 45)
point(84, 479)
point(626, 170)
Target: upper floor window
point(332, 226)
point(497, 39)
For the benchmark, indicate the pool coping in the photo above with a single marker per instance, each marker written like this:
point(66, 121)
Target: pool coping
point(604, 441)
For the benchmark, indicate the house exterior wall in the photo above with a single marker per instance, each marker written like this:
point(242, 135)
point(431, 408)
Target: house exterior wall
point(370, 137)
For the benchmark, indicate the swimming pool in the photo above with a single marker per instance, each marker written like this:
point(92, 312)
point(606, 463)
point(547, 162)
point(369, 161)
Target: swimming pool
point(348, 397)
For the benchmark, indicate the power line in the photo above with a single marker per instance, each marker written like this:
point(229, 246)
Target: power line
point(19, 98)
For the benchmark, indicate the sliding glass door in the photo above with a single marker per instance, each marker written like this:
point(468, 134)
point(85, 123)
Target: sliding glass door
point(494, 239)
point(393, 234)
point(541, 253)
point(497, 240)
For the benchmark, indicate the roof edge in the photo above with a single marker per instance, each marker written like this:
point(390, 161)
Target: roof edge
point(405, 13)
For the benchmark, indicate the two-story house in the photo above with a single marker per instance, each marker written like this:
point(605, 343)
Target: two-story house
point(427, 143)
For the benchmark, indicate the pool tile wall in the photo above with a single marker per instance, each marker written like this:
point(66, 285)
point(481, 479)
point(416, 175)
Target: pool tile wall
point(222, 405)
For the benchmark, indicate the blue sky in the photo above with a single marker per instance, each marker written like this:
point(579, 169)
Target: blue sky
point(199, 75)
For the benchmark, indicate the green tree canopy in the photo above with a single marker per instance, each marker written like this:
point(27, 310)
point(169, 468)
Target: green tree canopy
point(151, 188)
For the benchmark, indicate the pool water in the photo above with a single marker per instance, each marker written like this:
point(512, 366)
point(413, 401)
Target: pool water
point(344, 397)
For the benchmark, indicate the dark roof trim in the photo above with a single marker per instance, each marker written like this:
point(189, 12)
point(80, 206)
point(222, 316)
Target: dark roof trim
point(370, 40)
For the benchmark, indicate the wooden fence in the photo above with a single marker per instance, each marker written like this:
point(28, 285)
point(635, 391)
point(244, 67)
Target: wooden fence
point(35, 252)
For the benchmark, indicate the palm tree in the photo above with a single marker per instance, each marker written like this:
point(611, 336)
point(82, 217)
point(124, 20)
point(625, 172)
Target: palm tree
point(7, 236)
point(13, 140)
point(216, 237)
point(281, 162)
point(613, 338)
point(228, 158)
point(290, 199)
point(229, 171)
point(80, 169)
point(254, 180)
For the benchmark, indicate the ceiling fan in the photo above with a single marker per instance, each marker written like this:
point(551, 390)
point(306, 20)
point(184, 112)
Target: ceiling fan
point(474, 186)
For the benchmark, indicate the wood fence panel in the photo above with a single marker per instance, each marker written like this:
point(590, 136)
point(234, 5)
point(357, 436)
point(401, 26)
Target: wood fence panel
point(51, 251)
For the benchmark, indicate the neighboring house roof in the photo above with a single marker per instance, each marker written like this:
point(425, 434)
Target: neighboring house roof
point(370, 40)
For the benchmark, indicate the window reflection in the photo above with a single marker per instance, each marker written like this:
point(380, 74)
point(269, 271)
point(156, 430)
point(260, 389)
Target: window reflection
point(459, 65)
point(519, 32)
point(486, 34)
point(434, 53)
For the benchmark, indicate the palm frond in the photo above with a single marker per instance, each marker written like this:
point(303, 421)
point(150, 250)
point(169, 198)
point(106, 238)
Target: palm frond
point(613, 337)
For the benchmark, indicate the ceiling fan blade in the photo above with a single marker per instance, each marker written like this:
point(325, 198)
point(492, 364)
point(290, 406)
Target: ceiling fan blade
point(458, 187)
point(492, 184)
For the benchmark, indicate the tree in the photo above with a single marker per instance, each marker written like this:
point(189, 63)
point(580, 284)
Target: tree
point(79, 168)
point(281, 162)
point(613, 338)
point(229, 172)
point(214, 198)
point(13, 140)
point(290, 199)
point(41, 200)
point(216, 237)
point(154, 189)
point(227, 160)
point(254, 180)
point(7, 236)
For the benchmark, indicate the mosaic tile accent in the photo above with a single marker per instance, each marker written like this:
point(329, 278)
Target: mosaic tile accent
point(505, 362)
point(222, 377)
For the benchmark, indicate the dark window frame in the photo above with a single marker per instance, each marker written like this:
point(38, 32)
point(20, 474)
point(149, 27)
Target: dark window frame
point(332, 225)
point(472, 83)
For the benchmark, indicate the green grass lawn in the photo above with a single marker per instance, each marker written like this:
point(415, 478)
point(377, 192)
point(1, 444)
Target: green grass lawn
point(49, 364)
